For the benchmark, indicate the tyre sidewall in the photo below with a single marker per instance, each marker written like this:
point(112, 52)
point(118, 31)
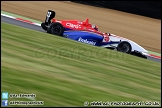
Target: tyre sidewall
point(123, 42)
point(49, 29)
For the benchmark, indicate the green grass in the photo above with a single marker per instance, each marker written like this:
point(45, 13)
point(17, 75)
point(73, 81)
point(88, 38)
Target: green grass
point(157, 54)
point(62, 72)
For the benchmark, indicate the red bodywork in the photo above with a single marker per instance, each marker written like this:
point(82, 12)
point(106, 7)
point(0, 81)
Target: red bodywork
point(81, 25)
point(77, 25)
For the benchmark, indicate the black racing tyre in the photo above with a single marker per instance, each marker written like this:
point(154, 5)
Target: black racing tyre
point(56, 29)
point(125, 47)
point(44, 26)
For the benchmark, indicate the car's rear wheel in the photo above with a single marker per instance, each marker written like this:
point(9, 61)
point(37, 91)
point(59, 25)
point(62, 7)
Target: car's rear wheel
point(56, 29)
point(125, 47)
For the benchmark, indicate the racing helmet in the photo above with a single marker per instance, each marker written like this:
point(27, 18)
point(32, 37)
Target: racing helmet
point(95, 27)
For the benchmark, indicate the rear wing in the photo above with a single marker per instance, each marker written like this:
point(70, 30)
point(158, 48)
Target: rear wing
point(50, 15)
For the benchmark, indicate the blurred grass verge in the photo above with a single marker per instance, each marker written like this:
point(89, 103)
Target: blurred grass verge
point(63, 72)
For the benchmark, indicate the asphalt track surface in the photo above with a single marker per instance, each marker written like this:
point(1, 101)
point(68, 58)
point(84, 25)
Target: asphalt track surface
point(38, 28)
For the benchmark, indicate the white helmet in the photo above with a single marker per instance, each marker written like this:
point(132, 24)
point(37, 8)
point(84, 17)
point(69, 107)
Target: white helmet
point(95, 27)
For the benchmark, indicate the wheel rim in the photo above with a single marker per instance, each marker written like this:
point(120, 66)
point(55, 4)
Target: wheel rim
point(56, 29)
point(124, 48)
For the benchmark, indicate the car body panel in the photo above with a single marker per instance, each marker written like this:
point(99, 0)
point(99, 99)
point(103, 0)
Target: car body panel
point(83, 31)
point(135, 46)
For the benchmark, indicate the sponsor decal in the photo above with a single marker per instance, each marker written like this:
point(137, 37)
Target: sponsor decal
point(86, 41)
point(73, 25)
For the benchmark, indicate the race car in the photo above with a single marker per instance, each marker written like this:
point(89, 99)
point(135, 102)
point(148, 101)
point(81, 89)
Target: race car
point(85, 32)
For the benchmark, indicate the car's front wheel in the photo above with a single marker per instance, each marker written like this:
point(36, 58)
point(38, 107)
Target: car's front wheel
point(56, 29)
point(125, 47)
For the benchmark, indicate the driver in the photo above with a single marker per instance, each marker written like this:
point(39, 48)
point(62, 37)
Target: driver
point(95, 27)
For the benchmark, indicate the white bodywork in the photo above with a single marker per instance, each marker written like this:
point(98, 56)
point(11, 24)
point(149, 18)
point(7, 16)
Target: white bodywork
point(135, 46)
